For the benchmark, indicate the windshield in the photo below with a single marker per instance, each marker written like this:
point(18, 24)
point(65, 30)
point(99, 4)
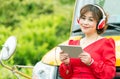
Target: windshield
point(111, 8)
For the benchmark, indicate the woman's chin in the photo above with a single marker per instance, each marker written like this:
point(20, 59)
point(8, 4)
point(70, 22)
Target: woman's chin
point(85, 31)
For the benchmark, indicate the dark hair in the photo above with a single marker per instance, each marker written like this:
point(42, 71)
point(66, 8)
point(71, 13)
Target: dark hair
point(97, 15)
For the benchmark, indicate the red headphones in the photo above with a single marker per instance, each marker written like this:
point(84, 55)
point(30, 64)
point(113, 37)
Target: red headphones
point(101, 23)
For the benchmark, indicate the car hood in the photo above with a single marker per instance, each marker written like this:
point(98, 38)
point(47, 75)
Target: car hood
point(52, 57)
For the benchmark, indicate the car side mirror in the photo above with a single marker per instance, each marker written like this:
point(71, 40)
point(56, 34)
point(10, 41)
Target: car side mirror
point(8, 48)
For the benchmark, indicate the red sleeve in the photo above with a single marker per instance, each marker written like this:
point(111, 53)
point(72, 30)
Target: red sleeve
point(65, 71)
point(105, 68)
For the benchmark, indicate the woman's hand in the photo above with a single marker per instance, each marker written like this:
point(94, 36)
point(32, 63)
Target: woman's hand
point(64, 57)
point(85, 58)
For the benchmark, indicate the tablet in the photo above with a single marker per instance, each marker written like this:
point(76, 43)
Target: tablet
point(72, 50)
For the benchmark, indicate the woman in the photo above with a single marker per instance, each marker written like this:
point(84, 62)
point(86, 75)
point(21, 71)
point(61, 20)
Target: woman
point(98, 58)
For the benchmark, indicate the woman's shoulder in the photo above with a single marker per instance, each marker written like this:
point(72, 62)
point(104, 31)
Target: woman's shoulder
point(73, 42)
point(109, 41)
point(106, 39)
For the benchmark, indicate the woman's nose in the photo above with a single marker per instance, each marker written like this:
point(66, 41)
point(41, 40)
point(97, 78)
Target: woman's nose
point(85, 21)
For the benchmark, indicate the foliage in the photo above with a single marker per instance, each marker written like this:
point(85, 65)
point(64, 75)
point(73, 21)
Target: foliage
point(39, 25)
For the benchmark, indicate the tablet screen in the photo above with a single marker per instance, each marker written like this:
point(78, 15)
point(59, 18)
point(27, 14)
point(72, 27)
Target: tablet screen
point(72, 50)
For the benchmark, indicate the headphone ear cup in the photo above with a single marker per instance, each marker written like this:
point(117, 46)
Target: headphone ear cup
point(78, 21)
point(101, 24)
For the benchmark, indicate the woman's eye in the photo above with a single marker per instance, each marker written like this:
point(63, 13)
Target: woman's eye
point(90, 19)
point(82, 17)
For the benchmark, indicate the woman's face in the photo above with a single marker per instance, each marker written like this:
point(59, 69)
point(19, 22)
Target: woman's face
point(88, 23)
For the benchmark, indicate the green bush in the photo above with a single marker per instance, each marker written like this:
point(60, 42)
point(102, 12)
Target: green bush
point(38, 25)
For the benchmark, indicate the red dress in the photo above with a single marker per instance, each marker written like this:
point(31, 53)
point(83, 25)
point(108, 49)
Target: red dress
point(103, 67)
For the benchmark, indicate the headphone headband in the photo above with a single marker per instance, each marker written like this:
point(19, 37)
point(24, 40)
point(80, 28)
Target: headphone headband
point(103, 13)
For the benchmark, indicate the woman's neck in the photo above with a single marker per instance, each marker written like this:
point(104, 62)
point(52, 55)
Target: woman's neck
point(91, 36)
point(88, 39)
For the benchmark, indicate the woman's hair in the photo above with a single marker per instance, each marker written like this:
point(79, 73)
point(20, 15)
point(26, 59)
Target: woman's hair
point(97, 15)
